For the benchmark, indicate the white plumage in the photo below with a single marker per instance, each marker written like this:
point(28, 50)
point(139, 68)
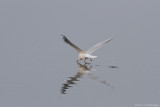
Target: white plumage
point(86, 55)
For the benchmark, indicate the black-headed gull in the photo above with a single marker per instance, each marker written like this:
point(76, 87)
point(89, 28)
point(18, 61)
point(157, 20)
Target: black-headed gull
point(86, 55)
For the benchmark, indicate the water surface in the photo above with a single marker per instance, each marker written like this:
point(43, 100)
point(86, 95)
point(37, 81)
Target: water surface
point(37, 69)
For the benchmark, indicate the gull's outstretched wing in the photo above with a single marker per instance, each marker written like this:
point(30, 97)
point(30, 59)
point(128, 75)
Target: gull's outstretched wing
point(71, 44)
point(98, 45)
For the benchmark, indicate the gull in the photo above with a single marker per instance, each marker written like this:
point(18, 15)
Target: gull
point(86, 55)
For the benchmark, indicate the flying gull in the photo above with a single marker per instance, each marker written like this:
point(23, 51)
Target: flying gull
point(86, 55)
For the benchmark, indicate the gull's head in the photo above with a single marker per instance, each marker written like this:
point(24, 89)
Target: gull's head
point(79, 59)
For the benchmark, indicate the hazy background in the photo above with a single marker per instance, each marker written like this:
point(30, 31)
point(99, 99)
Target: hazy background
point(35, 63)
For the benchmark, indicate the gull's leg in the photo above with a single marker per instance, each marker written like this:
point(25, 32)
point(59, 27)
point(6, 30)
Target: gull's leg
point(90, 59)
point(84, 61)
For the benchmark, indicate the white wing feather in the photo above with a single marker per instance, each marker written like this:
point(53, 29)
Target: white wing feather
point(71, 44)
point(98, 45)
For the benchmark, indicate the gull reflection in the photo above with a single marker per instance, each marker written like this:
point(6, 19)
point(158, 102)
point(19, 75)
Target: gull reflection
point(82, 69)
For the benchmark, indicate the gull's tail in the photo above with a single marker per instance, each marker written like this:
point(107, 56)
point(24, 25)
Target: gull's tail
point(89, 56)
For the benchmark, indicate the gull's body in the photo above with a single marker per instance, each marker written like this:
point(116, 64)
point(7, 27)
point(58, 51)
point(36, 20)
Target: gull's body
point(85, 55)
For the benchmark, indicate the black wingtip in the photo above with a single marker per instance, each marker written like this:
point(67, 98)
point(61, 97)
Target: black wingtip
point(64, 38)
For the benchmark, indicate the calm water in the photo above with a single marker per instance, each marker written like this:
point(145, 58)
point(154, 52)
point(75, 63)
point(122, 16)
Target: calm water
point(37, 69)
